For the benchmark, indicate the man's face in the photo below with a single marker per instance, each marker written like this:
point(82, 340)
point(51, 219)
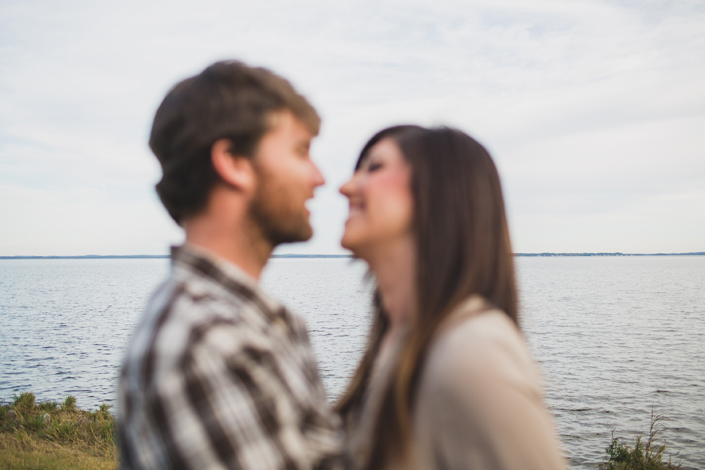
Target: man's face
point(286, 178)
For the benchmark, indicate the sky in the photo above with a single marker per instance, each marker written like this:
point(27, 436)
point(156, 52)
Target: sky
point(594, 111)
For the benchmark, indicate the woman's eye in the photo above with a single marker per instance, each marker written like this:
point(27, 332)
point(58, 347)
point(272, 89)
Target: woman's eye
point(374, 167)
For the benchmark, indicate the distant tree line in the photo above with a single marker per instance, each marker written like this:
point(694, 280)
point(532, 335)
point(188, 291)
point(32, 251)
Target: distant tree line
point(699, 253)
point(290, 255)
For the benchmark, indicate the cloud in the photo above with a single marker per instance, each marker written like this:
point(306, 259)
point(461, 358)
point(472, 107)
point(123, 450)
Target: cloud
point(593, 110)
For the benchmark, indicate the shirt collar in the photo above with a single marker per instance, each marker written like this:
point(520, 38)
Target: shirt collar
point(204, 263)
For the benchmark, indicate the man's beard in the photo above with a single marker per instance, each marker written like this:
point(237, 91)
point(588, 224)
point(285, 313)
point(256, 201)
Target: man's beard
point(275, 214)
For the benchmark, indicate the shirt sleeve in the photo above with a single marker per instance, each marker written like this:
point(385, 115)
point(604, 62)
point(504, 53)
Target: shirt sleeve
point(227, 406)
point(482, 400)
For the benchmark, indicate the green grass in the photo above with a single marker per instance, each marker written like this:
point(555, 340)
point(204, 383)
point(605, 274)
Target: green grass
point(642, 455)
point(51, 435)
point(59, 436)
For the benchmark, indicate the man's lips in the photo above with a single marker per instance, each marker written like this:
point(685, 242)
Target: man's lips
point(306, 203)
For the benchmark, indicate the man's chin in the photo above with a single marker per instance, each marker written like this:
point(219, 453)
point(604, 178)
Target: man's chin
point(306, 234)
point(293, 235)
point(302, 237)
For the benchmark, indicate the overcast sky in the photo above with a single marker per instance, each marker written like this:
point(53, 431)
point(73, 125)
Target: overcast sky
point(594, 111)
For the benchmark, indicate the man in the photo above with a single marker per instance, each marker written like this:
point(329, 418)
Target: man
point(218, 375)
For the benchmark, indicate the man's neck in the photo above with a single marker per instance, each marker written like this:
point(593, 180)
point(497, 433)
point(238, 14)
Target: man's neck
point(239, 243)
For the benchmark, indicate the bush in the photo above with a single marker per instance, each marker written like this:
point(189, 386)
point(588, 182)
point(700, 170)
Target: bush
point(64, 424)
point(24, 402)
point(642, 456)
point(69, 404)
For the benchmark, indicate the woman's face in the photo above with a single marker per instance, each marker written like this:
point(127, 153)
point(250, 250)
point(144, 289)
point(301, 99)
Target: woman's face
point(381, 205)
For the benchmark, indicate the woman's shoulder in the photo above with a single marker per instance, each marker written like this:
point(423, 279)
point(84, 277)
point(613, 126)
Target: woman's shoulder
point(481, 342)
point(480, 402)
point(476, 319)
point(476, 326)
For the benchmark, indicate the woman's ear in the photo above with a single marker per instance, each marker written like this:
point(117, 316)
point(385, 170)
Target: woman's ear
point(234, 170)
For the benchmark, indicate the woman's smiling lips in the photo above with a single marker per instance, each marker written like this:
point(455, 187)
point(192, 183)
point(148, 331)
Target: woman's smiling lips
point(355, 208)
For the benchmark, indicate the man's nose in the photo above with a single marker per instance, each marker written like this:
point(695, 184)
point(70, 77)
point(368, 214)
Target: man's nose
point(318, 179)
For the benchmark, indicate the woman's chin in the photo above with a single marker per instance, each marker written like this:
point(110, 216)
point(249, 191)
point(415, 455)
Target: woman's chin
point(345, 243)
point(349, 243)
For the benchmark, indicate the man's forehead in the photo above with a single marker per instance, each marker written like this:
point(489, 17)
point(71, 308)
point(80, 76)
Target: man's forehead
point(285, 120)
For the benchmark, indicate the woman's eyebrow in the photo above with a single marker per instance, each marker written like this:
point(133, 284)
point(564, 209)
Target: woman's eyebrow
point(369, 159)
point(364, 162)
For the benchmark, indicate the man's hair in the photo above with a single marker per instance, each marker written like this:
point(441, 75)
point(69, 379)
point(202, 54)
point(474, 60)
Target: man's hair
point(228, 100)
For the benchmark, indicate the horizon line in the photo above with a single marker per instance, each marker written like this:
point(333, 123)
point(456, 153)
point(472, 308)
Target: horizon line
point(323, 255)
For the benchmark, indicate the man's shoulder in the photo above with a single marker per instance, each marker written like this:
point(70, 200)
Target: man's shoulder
point(194, 301)
point(188, 312)
point(221, 360)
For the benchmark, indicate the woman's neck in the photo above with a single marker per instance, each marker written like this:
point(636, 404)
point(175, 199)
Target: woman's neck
point(394, 267)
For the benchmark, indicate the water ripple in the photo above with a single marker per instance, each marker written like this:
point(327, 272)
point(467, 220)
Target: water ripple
point(615, 337)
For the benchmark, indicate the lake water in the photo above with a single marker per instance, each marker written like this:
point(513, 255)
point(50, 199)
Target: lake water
point(614, 337)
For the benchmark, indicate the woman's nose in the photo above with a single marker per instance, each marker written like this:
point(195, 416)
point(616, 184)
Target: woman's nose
point(347, 188)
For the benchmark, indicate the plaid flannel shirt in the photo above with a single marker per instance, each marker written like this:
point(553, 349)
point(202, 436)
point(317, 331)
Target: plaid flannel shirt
point(220, 376)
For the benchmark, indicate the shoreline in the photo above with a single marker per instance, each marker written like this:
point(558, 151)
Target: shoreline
point(291, 255)
point(59, 435)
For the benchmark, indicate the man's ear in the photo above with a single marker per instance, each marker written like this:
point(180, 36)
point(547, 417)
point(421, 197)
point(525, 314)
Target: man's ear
point(235, 170)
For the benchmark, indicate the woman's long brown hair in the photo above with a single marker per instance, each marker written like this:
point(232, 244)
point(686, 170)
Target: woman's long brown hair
point(463, 248)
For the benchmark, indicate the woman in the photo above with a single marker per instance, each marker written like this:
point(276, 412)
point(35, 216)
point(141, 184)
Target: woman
point(447, 381)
